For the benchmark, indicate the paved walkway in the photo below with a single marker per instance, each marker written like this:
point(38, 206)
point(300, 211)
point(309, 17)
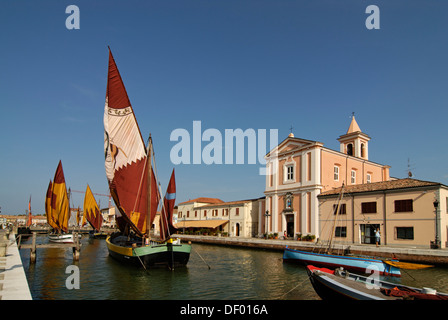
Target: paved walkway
point(13, 282)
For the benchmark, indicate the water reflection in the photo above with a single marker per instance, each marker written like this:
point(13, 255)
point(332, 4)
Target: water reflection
point(234, 274)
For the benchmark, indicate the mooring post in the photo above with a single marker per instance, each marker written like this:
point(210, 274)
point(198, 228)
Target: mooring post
point(33, 249)
point(76, 247)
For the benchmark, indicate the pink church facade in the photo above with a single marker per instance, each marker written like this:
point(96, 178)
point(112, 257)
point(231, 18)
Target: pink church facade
point(299, 170)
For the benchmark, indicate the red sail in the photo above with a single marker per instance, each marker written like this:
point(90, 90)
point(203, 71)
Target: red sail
point(166, 218)
point(29, 220)
point(126, 157)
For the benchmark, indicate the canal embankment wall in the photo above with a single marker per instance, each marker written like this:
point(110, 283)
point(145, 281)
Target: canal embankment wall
point(13, 281)
point(409, 254)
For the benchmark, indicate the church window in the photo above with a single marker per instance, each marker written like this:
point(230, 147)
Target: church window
point(290, 173)
point(336, 173)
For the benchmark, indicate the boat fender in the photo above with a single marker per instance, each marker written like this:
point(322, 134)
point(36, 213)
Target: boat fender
point(428, 290)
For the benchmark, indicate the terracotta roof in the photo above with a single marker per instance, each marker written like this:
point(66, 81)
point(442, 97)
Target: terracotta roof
point(353, 126)
point(204, 200)
point(380, 186)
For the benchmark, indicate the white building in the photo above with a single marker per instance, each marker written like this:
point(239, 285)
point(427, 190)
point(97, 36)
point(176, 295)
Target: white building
point(234, 218)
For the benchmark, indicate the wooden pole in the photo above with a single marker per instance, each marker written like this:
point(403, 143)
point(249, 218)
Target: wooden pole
point(33, 249)
point(76, 247)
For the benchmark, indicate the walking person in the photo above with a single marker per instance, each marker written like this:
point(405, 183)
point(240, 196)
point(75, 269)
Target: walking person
point(377, 236)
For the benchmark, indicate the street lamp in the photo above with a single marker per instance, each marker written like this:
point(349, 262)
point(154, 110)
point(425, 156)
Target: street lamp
point(266, 225)
point(437, 242)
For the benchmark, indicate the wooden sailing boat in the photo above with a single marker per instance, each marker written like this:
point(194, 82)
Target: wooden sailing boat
point(354, 263)
point(92, 215)
point(133, 185)
point(25, 232)
point(57, 208)
point(339, 284)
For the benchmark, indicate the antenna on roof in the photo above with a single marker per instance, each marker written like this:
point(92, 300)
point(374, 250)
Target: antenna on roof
point(409, 172)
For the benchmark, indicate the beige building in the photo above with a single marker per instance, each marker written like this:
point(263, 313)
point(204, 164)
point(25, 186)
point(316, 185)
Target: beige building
point(407, 212)
point(235, 218)
point(299, 170)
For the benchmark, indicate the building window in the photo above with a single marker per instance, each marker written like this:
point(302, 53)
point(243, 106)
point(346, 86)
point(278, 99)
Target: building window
point(336, 173)
point(188, 214)
point(237, 213)
point(195, 213)
point(205, 213)
point(369, 178)
point(353, 177)
point(363, 150)
point(403, 205)
point(368, 207)
point(289, 173)
point(405, 233)
point(340, 232)
point(342, 208)
point(179, 214)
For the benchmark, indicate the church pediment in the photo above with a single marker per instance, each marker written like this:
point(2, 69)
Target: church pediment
point(291, 144)
point(294, 144)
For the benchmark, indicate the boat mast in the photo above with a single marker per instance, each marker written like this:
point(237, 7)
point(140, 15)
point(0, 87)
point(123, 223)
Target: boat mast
point(341, 195)
point(149, 180)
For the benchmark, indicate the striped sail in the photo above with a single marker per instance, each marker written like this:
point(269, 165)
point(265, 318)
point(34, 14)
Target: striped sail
point(126, 158)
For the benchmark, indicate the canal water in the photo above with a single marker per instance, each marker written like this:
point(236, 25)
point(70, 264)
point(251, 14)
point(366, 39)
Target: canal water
point(234, 274)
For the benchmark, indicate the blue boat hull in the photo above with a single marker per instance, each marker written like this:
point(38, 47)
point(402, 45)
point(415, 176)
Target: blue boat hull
point(351, 263)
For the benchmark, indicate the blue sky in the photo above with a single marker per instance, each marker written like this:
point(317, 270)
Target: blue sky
point(264, 64)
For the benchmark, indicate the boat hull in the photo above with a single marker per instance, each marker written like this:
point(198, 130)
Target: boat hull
point(61, 238)
point(341, 285)
point(354, 264)
point(168, 255)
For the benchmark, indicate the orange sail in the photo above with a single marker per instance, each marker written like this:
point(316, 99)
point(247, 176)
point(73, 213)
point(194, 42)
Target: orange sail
point(126, 160)
point(56, 203)
point(91, 211)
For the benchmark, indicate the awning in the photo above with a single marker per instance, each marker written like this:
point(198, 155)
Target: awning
point(201, 224)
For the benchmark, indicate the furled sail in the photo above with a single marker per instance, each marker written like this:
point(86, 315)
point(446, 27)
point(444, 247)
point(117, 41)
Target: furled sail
point(126, 159)
point(56, 203)
point(166, 218)
point(91, 211)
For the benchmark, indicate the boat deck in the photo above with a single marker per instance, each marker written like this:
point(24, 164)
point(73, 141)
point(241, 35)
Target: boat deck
point(360, 286)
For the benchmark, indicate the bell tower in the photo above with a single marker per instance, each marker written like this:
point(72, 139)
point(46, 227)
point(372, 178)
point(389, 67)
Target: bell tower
point(355, 143)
